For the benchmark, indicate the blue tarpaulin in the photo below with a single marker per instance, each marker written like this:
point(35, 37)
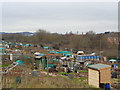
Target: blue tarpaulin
point(20, 62)
point(88, 57)
point(2, 48)
point(40, 54)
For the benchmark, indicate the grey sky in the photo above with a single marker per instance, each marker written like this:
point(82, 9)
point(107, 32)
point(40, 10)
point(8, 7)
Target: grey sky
point(60, 17)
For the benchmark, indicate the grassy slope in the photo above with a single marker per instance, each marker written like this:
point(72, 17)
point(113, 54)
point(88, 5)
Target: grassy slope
point(48, 82)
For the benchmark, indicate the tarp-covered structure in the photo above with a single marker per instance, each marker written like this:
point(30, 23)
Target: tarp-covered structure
point(20, 62)
point(113, 60)
point(2, 50)
point(65, 53)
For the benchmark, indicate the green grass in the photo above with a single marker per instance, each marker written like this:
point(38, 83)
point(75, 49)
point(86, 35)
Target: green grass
point(63, 73)
point(118, 66)
point(82, 71)
point(115, 80)
point(4, 65)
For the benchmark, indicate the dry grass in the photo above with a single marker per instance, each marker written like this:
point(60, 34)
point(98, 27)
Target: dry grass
point(44, 81)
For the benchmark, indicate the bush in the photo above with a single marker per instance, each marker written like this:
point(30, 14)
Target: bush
point(63, 73)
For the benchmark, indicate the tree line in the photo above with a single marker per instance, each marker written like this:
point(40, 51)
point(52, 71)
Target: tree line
point(89, 42)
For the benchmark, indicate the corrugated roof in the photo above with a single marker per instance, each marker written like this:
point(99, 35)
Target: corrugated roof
point(99, 66)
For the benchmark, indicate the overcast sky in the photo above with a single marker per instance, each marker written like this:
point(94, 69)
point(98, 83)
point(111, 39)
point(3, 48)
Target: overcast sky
point(60, 17)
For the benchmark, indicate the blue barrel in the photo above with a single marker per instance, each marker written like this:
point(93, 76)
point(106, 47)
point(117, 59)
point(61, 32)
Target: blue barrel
point(107, 86)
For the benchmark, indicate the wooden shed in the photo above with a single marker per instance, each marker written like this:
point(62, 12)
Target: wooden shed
point(99, 74)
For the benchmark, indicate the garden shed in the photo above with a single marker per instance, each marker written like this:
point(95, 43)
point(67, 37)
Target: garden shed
point(99, 75)
point(2, 50)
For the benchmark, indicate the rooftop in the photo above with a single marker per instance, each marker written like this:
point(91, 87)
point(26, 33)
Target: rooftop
point(99, 66)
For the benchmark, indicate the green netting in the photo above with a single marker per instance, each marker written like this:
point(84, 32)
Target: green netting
point(65, 52)
point(45, 47)
point(44, 61)
point(9, 43)
point(37, 63)
point(2, 50)
point(51, 65)
point(28, 45)
point(25, 56)
point(51, 51)
point(57, 52)
point(53, 60)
